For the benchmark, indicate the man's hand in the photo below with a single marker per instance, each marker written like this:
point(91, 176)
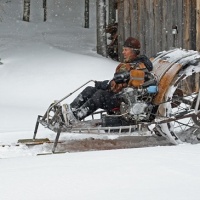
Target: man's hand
point(121, 77)
point(102, 85)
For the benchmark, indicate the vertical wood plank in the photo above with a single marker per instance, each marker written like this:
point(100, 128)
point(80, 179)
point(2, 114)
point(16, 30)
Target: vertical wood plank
point(148, 30)
point(180, 23)
point(193, 24)
point(186, 22)
point(197, 25)
point(134, 18)
point(169, 23)
point(138, 19)
point(159, 23)
point(127, 20)
point(174, 23)
point(151, 29)
point(120, 6)
point(141, 25)
point(164, 25)
point(156, 19)
point(145, 27)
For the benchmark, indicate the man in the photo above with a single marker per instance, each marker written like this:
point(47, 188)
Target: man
point(103, 95)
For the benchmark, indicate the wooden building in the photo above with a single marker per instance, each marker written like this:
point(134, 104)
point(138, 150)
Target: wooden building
point(159, 24)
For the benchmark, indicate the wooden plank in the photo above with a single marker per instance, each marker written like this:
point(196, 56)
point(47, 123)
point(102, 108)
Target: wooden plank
point(134, 18)
point(145, 22)
point(197, 25)
point(180, 23)
point(127, 20)
point(151, 29)
point(158, 23)
point(186, 22)
point(192, 24)
point(164, 26)
point(156, 19)
point(174, 23)
point(169, 24)
point(34, 141)
point(148, 28)
point(142, 27)
point(138, 21)
point(132, 14)
point(120, 6)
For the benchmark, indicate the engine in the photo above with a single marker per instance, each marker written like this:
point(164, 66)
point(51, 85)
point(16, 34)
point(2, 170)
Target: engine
point(136, 104)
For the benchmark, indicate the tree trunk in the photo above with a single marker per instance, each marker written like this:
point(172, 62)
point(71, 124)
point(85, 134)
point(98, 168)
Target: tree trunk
point(101, 28)
point(112, 12)
point(86, 14)
point(45, 10)
point(26, 14)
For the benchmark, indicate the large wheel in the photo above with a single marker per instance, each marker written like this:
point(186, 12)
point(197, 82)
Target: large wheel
point(179, 100)
point(177, 72)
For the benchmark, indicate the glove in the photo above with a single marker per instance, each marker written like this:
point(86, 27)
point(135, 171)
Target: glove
point(102, 85)
point(121, 77)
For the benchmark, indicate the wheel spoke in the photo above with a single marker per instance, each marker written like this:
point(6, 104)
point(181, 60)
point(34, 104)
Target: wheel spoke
point(182, 102)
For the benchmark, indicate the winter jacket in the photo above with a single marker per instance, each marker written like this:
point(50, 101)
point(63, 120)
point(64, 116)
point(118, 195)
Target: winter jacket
point(141, 65)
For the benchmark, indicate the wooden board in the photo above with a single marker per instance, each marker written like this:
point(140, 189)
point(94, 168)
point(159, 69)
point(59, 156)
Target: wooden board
point(198, 25)
point(34, 141)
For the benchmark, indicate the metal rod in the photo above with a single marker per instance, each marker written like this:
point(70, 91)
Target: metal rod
point(197, 103)
point(36, 127)
point(56, 141)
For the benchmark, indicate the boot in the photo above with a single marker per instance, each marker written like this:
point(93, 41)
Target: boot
point(68, 115)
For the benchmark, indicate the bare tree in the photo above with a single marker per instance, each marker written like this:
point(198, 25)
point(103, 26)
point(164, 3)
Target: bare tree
point(45, 10)
point(101, 28)
point(86, 14)
point(26, 13)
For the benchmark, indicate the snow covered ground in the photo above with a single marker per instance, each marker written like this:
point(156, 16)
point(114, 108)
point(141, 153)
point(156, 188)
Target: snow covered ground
point(43, 62)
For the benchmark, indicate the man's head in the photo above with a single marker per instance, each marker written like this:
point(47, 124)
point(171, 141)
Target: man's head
point(131, 49)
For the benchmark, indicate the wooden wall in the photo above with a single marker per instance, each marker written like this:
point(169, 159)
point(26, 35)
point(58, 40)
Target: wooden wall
point(152, 22)
point(198, 25)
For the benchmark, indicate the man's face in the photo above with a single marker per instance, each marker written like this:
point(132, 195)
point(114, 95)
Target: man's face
point(128, 54)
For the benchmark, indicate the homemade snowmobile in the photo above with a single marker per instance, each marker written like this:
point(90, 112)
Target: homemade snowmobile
point(166, 109)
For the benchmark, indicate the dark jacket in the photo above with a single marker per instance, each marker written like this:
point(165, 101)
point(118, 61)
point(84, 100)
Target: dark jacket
point(141, 63)
point(122, 74)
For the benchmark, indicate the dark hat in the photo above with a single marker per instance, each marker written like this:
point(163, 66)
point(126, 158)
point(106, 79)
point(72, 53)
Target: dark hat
point(132, 43)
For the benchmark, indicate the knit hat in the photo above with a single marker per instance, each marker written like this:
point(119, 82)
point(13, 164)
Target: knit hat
point(132, 43)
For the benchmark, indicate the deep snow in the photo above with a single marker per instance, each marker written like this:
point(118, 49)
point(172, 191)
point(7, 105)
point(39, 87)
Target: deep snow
point(43, 62)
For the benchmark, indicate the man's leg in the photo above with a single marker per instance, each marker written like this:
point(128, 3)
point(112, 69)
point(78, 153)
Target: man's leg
point(100, 99)
point(83, 97)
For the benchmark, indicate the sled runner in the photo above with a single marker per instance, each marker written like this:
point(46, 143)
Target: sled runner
point(168, 108)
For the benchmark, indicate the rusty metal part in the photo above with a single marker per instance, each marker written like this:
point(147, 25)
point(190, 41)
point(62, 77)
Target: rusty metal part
point(166, 78)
